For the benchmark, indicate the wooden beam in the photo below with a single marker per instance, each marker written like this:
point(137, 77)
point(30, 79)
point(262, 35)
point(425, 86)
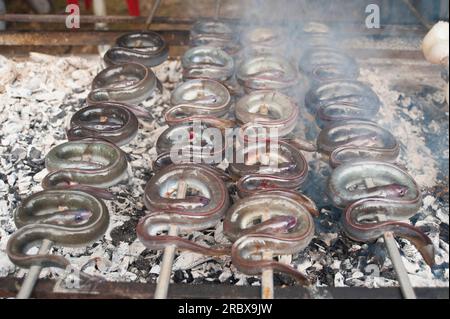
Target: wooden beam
point(109, 290)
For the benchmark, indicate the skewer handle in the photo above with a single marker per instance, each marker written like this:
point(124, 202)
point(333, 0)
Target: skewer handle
point(267, 274)
point(33, 274)
point(162, 287)
point(394, 255)
point(402, 274)
point(152, 14)
point(267, 291)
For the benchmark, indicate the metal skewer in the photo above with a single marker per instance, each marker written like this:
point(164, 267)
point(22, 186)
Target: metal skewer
point(402, 274)
point(267, 291)
point(33, 274)
point(162, 286)
point(417, 14)
point(394, 255)
point(152, 14)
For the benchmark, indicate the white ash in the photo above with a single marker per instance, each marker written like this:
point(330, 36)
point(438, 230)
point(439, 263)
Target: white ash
point(42, 92)
point(388, 43)
point(417, 157)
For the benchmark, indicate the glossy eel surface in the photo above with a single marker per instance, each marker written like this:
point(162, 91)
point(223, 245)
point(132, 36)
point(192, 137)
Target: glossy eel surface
point(372, 211)
point(207, 62)
point(67, 218)
point(111, 121)
point(196, 142)
point(89, 165)
point(205, 203)
point(267, 72)
point(215, 34)
point(262, 39)
point(288, 229)
point(130, 83)
point(342, 100)
point(352, 140)
point(262, 169)
point(201, 99)
point(317, 35)
point(268, 109)
point(322, 64)
point(147, 48)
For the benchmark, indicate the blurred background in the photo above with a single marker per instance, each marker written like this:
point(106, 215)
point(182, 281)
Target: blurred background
point(392, 11)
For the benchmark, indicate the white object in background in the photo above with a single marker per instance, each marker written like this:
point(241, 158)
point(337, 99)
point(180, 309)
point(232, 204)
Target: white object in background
point(100, 10)
point(99, 7)
point(435, 47)
point(435, 44)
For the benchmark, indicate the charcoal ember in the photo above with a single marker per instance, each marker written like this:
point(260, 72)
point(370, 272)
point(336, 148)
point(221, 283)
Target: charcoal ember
point(252, 280)
point(377, 253)
point(178, 276)
point(388, 274)
point(443, 232)
point(124, 233)
point(346, 265)
point(362, 261)
point(283, 280)
point(60, 115)
point(339, 248)
point(121, 198)
point(34, 153)
point(199, 281)
point(151, 278)
point(317, 242)
point(326, 276)
point(190, 277)
point(232, 280)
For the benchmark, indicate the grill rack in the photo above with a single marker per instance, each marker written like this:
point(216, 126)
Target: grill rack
point(177, 35)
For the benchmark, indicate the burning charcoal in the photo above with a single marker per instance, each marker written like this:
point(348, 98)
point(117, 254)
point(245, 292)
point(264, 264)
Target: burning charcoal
point(252, 280)
point(282, 280)
point(124, 233)
point(178, 276)
point(443, 232)
point(190, 278)
point(58, 116)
